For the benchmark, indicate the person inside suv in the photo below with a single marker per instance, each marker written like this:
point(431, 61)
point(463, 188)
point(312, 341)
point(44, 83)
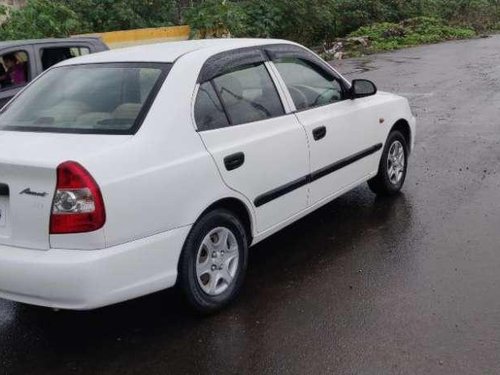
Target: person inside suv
point(16, 71)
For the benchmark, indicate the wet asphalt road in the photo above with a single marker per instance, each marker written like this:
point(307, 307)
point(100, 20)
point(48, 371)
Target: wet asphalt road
point(409, 285)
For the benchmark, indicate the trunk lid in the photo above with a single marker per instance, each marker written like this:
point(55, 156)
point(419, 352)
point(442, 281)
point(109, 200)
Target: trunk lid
point(28, 163)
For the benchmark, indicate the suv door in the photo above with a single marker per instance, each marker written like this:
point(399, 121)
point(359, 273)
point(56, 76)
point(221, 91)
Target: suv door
point(341, 132)
point(7, 92)
point(260, 149)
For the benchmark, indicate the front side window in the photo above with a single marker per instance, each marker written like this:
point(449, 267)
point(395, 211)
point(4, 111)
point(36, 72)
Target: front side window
point(14, 69)
point(309, 85)
point(248, 94)
point(92, 98)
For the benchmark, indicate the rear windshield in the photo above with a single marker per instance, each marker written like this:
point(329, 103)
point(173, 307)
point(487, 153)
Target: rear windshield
point(92, 98)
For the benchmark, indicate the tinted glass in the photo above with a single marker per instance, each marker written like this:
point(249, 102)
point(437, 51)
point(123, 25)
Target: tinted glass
point(309, 85)
point(52, 56)
point(95, 98)
point(208, 111)
point(249, 95)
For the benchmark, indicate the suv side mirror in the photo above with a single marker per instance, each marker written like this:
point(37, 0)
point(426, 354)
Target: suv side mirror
point(362, 87)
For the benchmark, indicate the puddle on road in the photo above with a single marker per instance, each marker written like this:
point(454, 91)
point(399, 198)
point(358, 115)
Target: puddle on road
point(364, 65)
point(402, 60)
point(356, 66)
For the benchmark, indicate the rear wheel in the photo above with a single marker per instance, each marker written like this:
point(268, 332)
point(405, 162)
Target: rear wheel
point(393, 166)
point(213, 262)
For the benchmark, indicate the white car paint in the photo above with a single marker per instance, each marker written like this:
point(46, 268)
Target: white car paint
point(158, 182)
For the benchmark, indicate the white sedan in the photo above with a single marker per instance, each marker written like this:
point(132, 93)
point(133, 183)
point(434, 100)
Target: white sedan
point(130, 171)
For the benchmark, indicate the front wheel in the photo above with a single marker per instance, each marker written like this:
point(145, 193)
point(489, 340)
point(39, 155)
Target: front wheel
point(393, 166)
point(213, 262)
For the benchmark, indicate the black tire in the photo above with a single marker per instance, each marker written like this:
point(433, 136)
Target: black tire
point(199, 299)
point(381, 184)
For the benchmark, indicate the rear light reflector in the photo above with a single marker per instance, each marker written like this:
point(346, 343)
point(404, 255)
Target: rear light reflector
point(78, 206)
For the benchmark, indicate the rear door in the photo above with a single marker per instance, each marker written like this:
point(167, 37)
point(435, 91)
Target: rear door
point(342, 133)
point(260, 149)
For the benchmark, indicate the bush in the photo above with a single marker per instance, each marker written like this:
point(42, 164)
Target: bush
point(478, 14)
point(419, 30)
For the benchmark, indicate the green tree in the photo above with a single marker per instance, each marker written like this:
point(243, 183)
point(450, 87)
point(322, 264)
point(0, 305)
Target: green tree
point(212, 18)
point(40, 19)
point(263, 18)
point(112, 15)
point(309, 22)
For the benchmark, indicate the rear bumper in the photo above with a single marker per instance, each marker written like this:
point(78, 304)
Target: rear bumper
point(84, 280)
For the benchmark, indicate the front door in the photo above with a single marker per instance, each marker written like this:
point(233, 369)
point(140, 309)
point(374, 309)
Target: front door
point(339, 130)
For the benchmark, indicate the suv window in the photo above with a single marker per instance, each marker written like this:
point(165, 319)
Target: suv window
point(309, 85)
point(248, 94)
point(52, 56)
point(14, 69)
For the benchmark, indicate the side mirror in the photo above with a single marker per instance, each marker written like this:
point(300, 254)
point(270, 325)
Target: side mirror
point(362, 88)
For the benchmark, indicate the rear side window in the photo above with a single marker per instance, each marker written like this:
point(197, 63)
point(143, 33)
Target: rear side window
point(54, 55)
point(92, 98)
point(208, 111)
point(248, 94)
point(309, 85)
point(243, 95)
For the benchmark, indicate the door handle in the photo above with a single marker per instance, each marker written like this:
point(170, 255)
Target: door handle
point(234, 161)
point(319, 133)
point(4, 190)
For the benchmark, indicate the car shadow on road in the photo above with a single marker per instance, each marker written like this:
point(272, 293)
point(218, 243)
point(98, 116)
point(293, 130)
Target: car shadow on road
point(307, 250)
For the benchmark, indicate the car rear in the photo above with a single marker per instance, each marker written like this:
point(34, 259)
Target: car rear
point(53, 139)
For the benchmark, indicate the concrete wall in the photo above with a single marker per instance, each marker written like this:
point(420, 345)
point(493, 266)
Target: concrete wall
point(119, 39)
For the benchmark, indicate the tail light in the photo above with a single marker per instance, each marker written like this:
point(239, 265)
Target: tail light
point(78, 206)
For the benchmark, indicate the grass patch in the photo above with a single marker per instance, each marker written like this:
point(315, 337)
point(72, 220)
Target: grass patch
point(412, 32)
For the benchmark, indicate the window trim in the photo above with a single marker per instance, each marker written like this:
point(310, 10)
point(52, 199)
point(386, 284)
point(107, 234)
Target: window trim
point(146, 107)
point(283, 92)
point(220, 63)
point(314, 66)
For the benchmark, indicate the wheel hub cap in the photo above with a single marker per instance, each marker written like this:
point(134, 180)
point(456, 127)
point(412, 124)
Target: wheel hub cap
point(217, 261)
point(396, 163)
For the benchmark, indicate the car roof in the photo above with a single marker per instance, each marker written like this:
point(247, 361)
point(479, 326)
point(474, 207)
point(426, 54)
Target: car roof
point(19, 43)
point(169, 52)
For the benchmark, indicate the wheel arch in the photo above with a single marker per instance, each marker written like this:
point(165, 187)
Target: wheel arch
point(239, 208)
point(404, 127)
